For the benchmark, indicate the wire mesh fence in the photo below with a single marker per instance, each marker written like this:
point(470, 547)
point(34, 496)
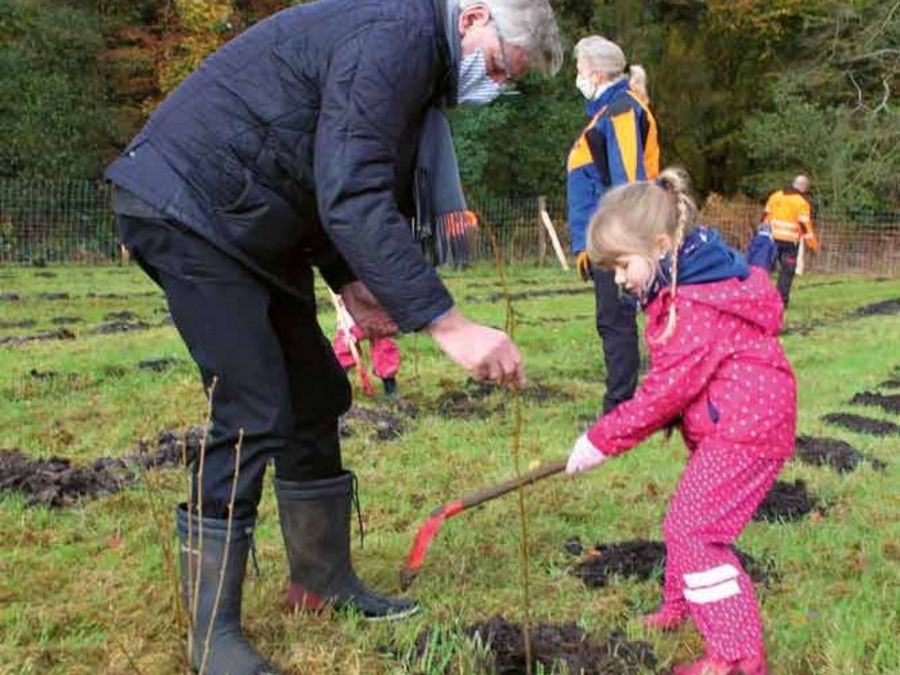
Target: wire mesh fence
point(66, 222)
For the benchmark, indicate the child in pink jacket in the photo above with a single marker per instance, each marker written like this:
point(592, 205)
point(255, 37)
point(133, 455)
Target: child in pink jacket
point(719, 371)
point(385, 356)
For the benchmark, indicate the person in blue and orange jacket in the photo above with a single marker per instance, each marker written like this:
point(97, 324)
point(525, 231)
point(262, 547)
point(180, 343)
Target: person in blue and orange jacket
point(789, 213)
point(619, 145)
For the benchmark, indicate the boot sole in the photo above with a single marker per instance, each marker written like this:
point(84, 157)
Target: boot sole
point(396, 616)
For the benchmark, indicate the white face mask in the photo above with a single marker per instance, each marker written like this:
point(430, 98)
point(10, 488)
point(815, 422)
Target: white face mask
point(476, 87)
point(586, 86)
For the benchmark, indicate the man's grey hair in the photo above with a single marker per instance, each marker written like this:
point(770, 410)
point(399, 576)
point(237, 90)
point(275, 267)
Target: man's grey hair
point(801, 183)
point(529, 24)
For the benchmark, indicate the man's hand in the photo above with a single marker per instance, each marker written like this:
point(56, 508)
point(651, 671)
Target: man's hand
point(366, 312)
point(812, 242)
point(583, 265)
point(584, 456)
point(486, 353)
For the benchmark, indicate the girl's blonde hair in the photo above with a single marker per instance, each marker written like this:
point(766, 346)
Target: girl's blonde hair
point(631, 217)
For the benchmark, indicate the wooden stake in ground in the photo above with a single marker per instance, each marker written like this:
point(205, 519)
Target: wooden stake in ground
point(345, 324)
point(554, 239)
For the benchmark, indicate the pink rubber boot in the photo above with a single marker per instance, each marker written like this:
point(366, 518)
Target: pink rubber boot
point(712, 665)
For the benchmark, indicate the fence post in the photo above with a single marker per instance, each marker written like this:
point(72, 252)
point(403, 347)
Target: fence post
point(542, 234)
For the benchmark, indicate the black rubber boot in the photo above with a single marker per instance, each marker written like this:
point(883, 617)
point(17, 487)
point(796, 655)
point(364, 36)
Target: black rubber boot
point(390, 386)
point(315, 522)
point(229, 652)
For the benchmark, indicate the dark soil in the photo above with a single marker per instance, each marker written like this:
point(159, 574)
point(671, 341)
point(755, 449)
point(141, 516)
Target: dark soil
point(524, 295)
point(10, 297)
point(59, 334)
point(383, 424)
point(66, 320)
point(886, 307)
point(124, 315)
point(787, 502)
point(470, 401)
point(53, 296)
point(893, 383)
point(58, 482)
point(839, 455)
point(467, 403)
point(25, 323)
point(46, 275)
point(159, 365)
point(890, 403)
point(641, 559)
point(552, 646)
point(862, 424)
point(36, 374)
point(120, 327)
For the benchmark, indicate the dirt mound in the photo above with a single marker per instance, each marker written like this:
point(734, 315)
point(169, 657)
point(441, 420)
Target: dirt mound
point(124, 315)
point(787, 502)
point(53, 296)
point(886, 307)
point(65, 320)
point(541, 293)
point(58, 482)
point(36, 374)
point(120, 327)
point(467, 403)
point(642, 559)
point(158, 365)
point(553, 646)
point(889, 402)
point(59, 334)
point(384, 424)
point(470, 401)
point(26, 323)
point(865, 425)
point(10, 297)
point(893, 383)
point(839, 455)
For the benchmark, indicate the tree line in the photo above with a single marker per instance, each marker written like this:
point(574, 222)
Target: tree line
point(747, 92)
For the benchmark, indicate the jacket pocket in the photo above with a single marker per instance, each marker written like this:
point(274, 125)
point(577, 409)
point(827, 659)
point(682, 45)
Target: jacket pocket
point(261, 223)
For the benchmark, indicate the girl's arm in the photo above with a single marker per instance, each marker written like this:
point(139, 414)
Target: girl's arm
point(681, 369)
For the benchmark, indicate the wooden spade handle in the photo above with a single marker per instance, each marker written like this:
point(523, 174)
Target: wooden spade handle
point(489, 493)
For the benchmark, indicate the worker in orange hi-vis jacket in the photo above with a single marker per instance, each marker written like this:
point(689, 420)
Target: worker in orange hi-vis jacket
point(789, 213)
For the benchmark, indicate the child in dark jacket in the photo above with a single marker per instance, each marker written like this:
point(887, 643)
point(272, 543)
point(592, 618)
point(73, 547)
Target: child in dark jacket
point(717, 365)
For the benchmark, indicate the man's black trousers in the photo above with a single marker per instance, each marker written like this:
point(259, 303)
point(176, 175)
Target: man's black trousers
point(617, 326)
point(787, 267)
point(272, 373)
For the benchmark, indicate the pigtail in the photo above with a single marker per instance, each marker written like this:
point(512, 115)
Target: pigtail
point(637, 82)
point(677, 184)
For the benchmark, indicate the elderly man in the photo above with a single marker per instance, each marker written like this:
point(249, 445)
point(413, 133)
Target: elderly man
point(789, 214)
point(296, 146)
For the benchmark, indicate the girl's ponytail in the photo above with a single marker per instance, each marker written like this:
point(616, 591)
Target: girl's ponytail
point(676, 182)
point(637, 82)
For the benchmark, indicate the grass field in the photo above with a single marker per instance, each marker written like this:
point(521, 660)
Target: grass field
point(85, 589)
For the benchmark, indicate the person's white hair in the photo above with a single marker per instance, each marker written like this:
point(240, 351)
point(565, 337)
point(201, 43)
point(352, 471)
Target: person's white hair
point(606, 57)
point(801, 183)
point(529, 24)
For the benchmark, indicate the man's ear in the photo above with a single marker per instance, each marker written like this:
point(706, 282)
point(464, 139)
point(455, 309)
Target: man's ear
point(476, 15)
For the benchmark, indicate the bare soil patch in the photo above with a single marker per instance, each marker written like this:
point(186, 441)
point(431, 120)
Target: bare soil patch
point(865, 425)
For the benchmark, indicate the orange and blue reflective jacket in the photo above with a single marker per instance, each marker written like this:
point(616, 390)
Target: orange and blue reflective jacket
point(619, 145)
point(789, 213)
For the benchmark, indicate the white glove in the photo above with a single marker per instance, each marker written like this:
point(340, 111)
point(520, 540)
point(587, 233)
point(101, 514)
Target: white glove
point(584, 456)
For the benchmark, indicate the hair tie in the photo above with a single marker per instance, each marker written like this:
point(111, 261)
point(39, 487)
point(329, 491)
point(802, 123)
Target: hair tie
point(663, 184)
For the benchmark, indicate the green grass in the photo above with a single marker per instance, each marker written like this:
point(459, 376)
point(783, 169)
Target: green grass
point(70, 602)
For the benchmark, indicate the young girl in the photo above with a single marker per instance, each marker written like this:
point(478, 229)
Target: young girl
point(719, 371)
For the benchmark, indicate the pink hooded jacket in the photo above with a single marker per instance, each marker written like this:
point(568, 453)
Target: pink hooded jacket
point(723, 371)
